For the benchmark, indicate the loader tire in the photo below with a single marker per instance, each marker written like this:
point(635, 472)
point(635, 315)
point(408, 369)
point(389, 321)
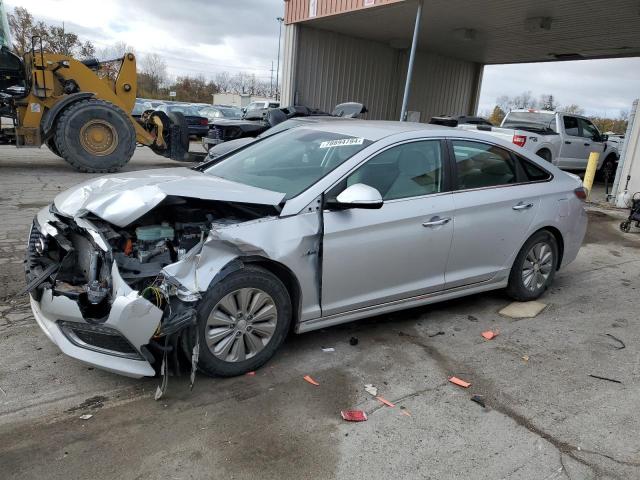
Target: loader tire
point(95, 136)
point(51, 145)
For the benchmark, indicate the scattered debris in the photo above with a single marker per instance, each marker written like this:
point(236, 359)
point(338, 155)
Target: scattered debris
point(436, 334)
point(353, 341)
point(459, 382)
point(307, 378)
point(385, 401)
point(605, 378)
point(622, 345)
point(523, 309)
point(86, 416)
point(525, 358)
point(404, 411)
point(471, 318)
point(489, 335)
point(479, 399)
point(371, 389)
point(328, 349)
point(251, 374)
point(3, 392)
point(354, 415)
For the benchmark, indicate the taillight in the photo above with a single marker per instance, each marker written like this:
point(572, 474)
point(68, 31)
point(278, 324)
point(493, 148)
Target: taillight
point(204, 121)
point(519, 140)
point(581, 193)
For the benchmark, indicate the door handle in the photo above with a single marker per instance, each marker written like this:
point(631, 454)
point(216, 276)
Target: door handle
point(522, 206)
point(436, 221)
point(567, 142)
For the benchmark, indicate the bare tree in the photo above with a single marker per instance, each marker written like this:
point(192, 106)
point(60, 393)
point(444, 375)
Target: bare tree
point(573, 108)
point(548, 102)
point(154, 72)
point(23, 27)
point(223, 81)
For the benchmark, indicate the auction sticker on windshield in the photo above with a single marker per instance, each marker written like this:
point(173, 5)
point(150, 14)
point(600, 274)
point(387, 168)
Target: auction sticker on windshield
point(344, 142)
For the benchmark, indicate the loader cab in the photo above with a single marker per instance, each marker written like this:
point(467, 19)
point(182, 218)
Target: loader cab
point(12, 73)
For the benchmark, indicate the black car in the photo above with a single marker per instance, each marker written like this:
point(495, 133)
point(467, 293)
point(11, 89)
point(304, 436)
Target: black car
point(255, 122)
point(198, 125)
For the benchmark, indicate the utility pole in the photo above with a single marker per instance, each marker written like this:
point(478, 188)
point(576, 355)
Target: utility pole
point(280, 20)
point(271, 87)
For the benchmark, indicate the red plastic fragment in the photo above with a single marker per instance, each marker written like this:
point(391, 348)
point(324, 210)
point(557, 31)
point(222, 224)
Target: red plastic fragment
point(354, 415)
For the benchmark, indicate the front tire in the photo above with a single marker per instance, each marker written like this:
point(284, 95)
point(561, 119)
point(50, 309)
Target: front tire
point(534, 268)
point(95, 136)
point(242, 321)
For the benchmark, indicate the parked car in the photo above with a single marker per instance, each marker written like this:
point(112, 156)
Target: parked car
point(214, 112)
point(312, 227)
point(261, 104)
point(564, 139)
point(140, 107)
point(257, 121)
point(198, 124)
point(454, 121)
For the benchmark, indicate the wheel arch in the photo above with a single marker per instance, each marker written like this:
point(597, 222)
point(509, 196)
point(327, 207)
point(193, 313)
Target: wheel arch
point(51, 115)
point(557, 234)
point(278, 269)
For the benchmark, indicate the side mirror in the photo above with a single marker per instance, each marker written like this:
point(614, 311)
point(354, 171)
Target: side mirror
point(604, 137)
point(358, 195)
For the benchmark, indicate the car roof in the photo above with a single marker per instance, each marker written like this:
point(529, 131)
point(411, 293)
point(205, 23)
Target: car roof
point(373, 129)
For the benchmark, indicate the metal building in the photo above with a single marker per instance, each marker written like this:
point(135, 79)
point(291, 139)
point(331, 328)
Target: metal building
point(360, 50)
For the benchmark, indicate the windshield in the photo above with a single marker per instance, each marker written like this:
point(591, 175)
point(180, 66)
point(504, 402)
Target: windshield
point(290, 162)
point(5, 40)
point(535, 120)
point(184, 109)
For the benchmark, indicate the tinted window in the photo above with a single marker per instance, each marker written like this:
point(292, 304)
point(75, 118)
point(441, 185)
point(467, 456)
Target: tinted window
point(481, 165)
point(408, 170)
point(571, 126)
point(538, 120)
point(533, 172)
point(289, 162)
point(589, 130)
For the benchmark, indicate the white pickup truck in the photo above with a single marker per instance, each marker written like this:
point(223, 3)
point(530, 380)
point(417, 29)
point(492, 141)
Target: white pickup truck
point(564, 139)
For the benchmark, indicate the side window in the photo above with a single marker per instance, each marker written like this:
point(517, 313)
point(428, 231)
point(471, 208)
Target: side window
point(532, 172)
point(589, 130)
point(481, 165)
point(408, 170)
point(571, 126)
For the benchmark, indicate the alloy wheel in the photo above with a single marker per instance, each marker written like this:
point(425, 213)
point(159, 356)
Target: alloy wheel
point(241, 324)
point(537, 266)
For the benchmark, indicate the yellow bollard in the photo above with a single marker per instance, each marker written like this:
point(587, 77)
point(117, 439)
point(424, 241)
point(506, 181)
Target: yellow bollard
point(590, 172)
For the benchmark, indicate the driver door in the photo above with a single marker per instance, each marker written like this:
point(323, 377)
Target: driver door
point(400, 250)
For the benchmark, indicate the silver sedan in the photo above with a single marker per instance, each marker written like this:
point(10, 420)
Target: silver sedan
point(311, 227)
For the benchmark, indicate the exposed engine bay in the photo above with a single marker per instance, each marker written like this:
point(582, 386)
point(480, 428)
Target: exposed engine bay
point(75, 264)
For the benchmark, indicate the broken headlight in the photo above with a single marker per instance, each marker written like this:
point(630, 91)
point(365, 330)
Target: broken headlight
point(174, 287)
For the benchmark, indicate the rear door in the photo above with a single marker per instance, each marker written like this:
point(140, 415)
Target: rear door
point(573, 150)
point(371, 257)
point(493, 211)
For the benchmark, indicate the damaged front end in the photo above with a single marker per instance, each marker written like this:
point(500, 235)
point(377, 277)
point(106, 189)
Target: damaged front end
point(122, 297)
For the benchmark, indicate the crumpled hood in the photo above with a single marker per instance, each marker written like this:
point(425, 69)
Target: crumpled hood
point(122, 198)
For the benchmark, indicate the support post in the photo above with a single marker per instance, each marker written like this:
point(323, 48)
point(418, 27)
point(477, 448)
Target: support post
point(412, 57)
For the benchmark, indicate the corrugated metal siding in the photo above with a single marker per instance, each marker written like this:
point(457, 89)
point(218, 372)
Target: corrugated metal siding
point(441, 85)
point(332, 68)
point(298, 10)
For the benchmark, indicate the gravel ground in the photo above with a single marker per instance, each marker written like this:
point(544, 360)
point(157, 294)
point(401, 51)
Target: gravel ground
point(545, 417)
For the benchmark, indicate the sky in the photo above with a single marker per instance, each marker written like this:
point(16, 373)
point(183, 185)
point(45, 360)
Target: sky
point(208, 36)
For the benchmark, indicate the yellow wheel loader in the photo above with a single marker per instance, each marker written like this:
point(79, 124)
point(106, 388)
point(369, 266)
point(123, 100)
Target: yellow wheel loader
point(63, 103)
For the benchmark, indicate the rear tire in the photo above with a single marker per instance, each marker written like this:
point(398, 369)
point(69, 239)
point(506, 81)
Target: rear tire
point(252, 339)
point(534, 268)
point(608, 168)
point(625, 226)
point(95, 136)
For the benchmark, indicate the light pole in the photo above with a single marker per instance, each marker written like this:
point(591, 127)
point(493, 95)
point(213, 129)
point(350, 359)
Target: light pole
point(280, 20)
